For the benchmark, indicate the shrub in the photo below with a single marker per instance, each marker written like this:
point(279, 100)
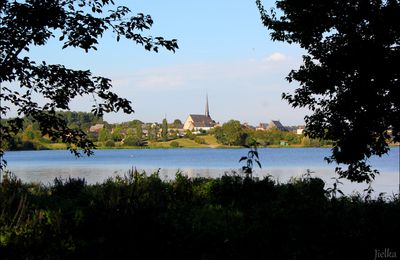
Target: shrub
point(199, 140)
point(174, 144)
point(133, 141)
point(189, 134)
point(109, 143)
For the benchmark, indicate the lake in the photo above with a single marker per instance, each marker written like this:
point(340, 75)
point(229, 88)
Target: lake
point(281, 163)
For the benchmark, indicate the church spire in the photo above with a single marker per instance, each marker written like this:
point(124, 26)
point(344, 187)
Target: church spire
point(207, 110)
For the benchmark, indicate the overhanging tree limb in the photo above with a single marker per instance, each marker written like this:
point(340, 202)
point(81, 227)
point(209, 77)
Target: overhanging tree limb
point(80, 23)
point(350, 77)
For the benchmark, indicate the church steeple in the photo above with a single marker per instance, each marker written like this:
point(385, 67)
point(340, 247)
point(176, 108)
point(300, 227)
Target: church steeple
point(207, 110)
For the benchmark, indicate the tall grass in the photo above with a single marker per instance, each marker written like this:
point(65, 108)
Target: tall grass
point(232, 217)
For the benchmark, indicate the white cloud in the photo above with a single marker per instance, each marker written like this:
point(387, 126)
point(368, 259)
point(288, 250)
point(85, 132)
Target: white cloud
point(276, 56)
point(160, 81)
point(247, 89)
point(253, 73)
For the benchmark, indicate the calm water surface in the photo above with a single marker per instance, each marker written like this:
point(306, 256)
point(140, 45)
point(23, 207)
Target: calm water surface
point(282, 164)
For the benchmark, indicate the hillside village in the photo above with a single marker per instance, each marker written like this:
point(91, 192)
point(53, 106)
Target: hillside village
point(198, 130)
point(197, 124)
point(198, 127)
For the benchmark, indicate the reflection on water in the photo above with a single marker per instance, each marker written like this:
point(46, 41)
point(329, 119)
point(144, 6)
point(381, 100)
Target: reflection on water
point(387, 183)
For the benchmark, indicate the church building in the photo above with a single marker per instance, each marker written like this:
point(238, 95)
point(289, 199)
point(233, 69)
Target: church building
point(196, 122)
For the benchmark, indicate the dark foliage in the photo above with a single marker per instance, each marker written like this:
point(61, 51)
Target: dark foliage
point(79, 24)
point(227, 218)
point(350, 75)
point(252, 156)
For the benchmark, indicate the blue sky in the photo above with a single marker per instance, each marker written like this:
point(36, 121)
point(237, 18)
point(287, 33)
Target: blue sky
point(224, 51)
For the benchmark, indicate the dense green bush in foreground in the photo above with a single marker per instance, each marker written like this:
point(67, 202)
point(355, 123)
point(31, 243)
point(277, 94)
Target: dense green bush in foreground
point(227, 218)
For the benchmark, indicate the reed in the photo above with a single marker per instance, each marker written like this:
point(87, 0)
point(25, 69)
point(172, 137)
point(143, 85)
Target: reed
point(238, 217)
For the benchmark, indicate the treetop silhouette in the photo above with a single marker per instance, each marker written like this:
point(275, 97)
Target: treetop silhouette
point(76, 23)
point(350, 76)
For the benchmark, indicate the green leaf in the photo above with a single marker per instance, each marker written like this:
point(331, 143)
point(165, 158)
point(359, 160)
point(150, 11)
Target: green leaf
point(256, 154)
point(258, 163)
point(243, 158)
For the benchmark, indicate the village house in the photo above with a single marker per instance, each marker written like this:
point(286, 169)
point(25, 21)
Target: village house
point(274, 124)
point(262, 127)
point(95, 129)
point(177, 129)
point(300, 130)
point(248, 126)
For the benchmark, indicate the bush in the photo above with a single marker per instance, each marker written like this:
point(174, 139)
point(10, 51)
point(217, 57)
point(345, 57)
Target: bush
point(199, 140)
point(174, 144)
point(189, 134)
point(109, 143)
point(133, 141)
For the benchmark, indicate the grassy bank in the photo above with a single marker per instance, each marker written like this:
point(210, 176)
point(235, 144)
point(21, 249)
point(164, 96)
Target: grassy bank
point(209, 142)
point(226, 218)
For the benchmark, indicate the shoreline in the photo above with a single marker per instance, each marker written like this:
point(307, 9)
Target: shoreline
point(168, 148)
point(181, 147)
point(184, 144)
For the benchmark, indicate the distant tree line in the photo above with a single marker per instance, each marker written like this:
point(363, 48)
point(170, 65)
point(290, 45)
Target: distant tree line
point(31, 138)
point(81, 120)
point(132, 133)
point(233, 133)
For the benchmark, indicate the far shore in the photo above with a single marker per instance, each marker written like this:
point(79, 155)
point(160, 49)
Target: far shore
point(210, 142)
point(163, 145)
